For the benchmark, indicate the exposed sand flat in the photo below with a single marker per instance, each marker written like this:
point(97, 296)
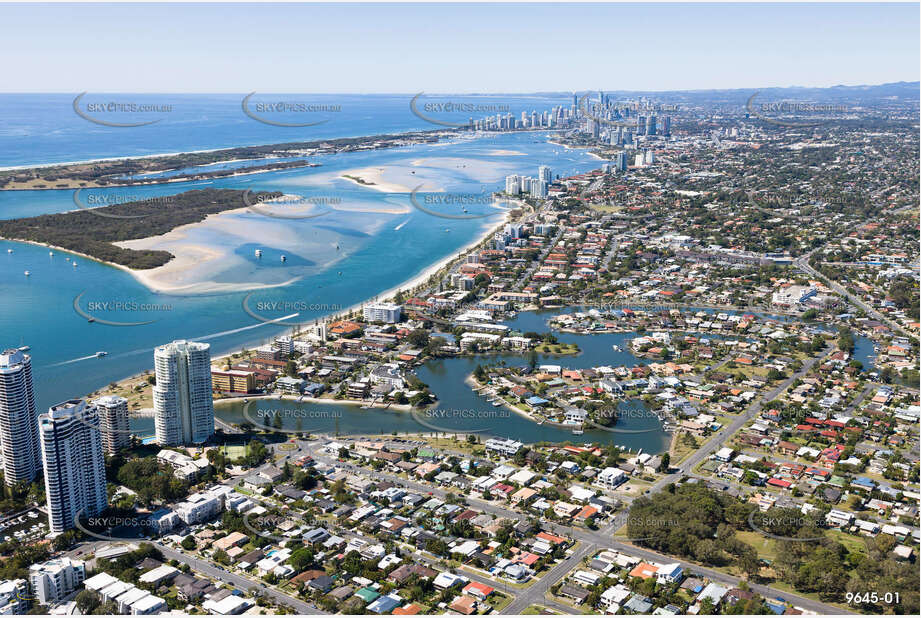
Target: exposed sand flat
point(208, 257)
point(373, 178)
point(505, 153)
point(396, 210)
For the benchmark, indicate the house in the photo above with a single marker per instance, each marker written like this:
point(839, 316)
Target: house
point(576, 593)
point(478, 590)
point(464, 605)
point(638, 604)
point(644, 570)
point(384, 604)
point(713, 592)
point(610, 478)
point(669, 573)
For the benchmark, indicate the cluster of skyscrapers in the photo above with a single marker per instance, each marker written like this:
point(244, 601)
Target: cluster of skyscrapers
point(555, 118)
point(69, 442)
point(516, 185)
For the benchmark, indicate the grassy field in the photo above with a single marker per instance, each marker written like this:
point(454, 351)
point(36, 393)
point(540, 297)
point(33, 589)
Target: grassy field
point(234, 451)
point(606, 208)
point(679, 450)
point(557, 348)
point(765, 546)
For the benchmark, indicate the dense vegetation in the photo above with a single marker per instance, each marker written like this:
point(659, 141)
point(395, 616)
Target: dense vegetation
point(118, 172)
point(87, 232)
point(698, 523)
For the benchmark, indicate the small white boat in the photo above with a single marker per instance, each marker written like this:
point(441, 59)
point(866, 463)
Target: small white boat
point(27, 273)
point(9, 250)
point(617, 348)
point(74, 264)
point(283, 258)
point(51, 253)
point(258, 252)
point(100, 354)
point(577, 432)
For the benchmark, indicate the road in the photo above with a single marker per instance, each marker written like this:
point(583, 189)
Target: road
point(590, 540)
point(206, 568)
point(803, 264)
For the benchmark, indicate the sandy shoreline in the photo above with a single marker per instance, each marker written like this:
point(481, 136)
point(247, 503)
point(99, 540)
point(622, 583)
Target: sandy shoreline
point(407, 285)
point(373, 178)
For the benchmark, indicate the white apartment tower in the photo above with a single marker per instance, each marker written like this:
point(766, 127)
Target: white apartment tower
point(19, 450)
point(75, 476)
point(389, 313)
point(183, 406)
point(113, 423)
point(544, 174)
point(56, 579)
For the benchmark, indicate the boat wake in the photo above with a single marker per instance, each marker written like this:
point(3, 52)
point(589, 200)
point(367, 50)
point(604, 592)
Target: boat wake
point(74, 360)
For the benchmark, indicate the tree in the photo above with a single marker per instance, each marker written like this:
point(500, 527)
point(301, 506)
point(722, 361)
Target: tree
point(87, 601)
point(188, 543)
point(666, 462)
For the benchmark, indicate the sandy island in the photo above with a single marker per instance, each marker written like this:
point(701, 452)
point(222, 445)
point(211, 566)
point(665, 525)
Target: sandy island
point(373, 178)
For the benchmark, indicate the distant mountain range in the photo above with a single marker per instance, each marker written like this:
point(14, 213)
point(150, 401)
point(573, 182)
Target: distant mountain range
point(863, 93)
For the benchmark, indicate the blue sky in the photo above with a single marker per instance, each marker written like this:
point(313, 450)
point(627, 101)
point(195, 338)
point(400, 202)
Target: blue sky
point(406, 48)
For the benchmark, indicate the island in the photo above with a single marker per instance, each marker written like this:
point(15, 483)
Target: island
point(150, 170)
point(93, 232)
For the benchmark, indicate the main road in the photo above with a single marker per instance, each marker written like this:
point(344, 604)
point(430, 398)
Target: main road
point(591, 540)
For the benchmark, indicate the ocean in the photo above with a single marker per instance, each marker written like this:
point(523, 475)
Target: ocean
point(336, 260)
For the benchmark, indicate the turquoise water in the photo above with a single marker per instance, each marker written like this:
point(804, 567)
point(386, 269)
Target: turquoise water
point(375, 253)
point(43, 128)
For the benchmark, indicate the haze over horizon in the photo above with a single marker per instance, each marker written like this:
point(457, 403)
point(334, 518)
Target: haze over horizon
point(504, 48)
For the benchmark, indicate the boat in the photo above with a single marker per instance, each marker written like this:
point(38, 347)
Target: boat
point(577, 432)
point(496, 404)
point(27, 273)
point(617, 348)
point(283, 258)
point(258, 252)
point(51, 253)
point(101, 354)
point(9, 250)
point(74, 264)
